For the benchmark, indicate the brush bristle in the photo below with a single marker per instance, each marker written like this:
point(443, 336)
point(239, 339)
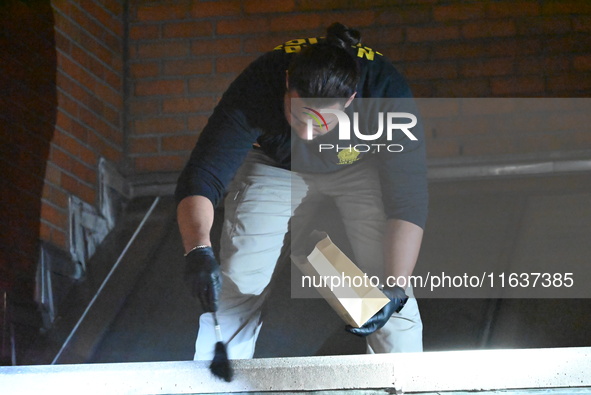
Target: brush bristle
point(220, 366)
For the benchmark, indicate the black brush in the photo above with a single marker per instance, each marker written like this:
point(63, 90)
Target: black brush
point(220, 365)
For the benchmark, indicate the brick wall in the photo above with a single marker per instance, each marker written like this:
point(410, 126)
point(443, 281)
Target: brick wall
point(89, 43)
point(61, 109)
point(183, 54)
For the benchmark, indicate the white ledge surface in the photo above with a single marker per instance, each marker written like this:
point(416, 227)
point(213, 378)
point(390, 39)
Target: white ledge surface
point(479, 370)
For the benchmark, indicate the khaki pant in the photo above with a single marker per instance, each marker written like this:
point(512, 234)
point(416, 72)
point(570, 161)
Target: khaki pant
point(264, 203)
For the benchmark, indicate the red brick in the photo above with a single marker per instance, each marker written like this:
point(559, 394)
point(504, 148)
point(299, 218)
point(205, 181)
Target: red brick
point(52, 174)
point(59, 238)
point(90, 62)
point(75, 187)
point(267, 42)
point(295, 22)
point(514, 86)
point(495, 28)
point(160, 125)
point(84, 173)
point(356, 19)
point(544, 25)
point(196, 123)
point(582, 62)
point(215, 47)
point(439, 33)
point(115, 7)
point(474, 87)
point(473, 109)
point(64, 121)
point(188, 67)
point(233, 64)
point(143, 145)
point(209, 84)
point(109, 95)
point(488, 67)
point(159, 163)
point(164, 12)
point(422, 89)
point(258, 7)
point(442, 148)
point(74, 71)
point(431, 109)
point(179, 143)
point(581, 23)
point(111, 22)
point(315, 5)
point(141, 107)
point(74, 148)
point(106, 149)
point(572, 43)
point(206, 9)
point(242, 26)
point(144, 32)
point(95, 122)
point(566, 7)
point(185, 105)
point(82, 20)
point(526, 143)
point(495, 48)
point(458, 12)
point(187, 29)
point(427, 71)
point(45, 231)
point(90, 35)
point(407, 53)
point(159, 87)
point(62, 43)
point(113, 79)
point(54, 215)
point(144, 69)
point(60, 159)
point(548, 65)
point(403, 16)
point(573, 83)
point(454, 129)
point(512, 9)
point(163, 49)
point(383, 37)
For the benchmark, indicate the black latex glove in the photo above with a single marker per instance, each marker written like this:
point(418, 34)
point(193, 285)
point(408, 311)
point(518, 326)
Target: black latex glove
point(397, 298)
point(203, 277)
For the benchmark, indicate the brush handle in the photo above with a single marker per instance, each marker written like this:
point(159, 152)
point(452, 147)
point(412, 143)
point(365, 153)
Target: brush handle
point(218, 329)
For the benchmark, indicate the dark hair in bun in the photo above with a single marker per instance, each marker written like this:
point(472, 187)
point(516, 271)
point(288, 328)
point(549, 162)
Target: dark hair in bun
point(341, 36)
point(327, 69)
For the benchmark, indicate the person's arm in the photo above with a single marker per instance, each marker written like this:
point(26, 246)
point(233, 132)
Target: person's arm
point(195, 219)
point(405, 194)
point(402, 242)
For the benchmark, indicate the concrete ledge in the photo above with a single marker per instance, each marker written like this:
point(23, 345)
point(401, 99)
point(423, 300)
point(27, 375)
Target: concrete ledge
point(450, 169)
point(475, 371)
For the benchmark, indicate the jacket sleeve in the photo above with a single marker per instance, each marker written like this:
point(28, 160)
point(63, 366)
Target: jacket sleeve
point(227, 137)
point(404, 174)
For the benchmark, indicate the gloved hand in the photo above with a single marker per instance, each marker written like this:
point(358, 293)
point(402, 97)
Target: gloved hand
point(203, 277)
point(397, 298)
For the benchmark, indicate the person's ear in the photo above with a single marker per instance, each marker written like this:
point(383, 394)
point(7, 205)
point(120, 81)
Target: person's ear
point(350, 99)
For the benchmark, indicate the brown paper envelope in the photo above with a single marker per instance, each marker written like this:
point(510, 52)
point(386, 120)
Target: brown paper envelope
point(354, 304)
